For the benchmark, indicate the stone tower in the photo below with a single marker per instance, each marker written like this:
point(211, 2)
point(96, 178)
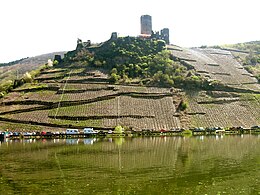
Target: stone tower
point(113, 36)
point(146, 24)
point(165, 35)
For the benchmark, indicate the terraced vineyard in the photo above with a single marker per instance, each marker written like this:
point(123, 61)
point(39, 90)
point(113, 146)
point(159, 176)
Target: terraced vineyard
point(223, 107)
point(232, 111)
point(84, 98)
point(78, 96)
point(217, 64)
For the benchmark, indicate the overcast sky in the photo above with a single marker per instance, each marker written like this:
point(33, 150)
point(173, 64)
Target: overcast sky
point(34, 27)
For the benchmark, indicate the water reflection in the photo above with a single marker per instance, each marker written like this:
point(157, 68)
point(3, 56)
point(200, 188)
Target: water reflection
point(72, 141)
point(123, 165)
point(218, 137)
point(89, 141)
point(1, 140)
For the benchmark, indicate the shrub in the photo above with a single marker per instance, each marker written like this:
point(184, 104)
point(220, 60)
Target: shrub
point(114, 78)
point(6, 86)
point(2, 94)
point(119, 129)
point(98, 63)
point(55, 62)
point(27, 78)
point(187, 132)
point(183, 105)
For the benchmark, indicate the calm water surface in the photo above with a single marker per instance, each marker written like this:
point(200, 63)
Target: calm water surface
point(153, 165)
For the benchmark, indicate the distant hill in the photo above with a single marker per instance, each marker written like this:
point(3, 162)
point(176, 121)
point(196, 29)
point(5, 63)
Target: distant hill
point(16, 69)
point(252, 46)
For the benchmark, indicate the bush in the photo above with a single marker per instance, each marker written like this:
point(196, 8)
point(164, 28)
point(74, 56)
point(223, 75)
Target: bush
point(187, 132)
point(119, 129)
point(183, 105)
point(18, 83)
point(6, 86)
point(27, 78)
point(2, 94)
point(55, 62)
point(114, 78)
point(98, 63)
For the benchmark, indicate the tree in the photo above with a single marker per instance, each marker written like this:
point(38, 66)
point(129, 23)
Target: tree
point(98, 63)
point(113, 71)
point(27, 78)
point(119, 129)
point(114, 78)
point(55, 62)
point(183, 105)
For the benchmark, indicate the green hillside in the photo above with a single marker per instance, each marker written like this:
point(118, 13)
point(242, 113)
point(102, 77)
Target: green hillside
point(253, 46)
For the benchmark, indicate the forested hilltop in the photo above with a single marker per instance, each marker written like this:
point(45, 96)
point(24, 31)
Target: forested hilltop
point(252, 46)
point(135, 60)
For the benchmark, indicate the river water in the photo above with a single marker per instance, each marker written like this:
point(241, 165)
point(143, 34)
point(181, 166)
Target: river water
point(150, 165)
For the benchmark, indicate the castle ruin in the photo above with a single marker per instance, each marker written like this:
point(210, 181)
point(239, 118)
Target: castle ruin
point(146, 25)
point(147, 32)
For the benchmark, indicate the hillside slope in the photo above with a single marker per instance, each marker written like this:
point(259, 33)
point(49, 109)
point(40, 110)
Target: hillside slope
point(252, 46)
point(247, 54)
point(219, 65)
point(237, 104)
point(100, 89)
point(83, 97)
point(17, 69)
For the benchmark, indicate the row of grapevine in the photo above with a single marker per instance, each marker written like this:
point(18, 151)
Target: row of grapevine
point(87, 95)
point(134, 106)
point(238, 113)
point(79, 86)
point(218, 65)
point(151, 112)
point(34, 116)
point(8, 108)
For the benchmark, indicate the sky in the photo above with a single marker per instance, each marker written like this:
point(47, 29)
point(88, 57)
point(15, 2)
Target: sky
point(34, 27)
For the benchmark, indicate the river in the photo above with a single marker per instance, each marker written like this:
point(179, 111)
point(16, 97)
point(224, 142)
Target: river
point(223, 164)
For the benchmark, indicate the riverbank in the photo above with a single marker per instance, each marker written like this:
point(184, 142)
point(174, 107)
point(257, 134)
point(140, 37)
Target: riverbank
point(175, 132)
